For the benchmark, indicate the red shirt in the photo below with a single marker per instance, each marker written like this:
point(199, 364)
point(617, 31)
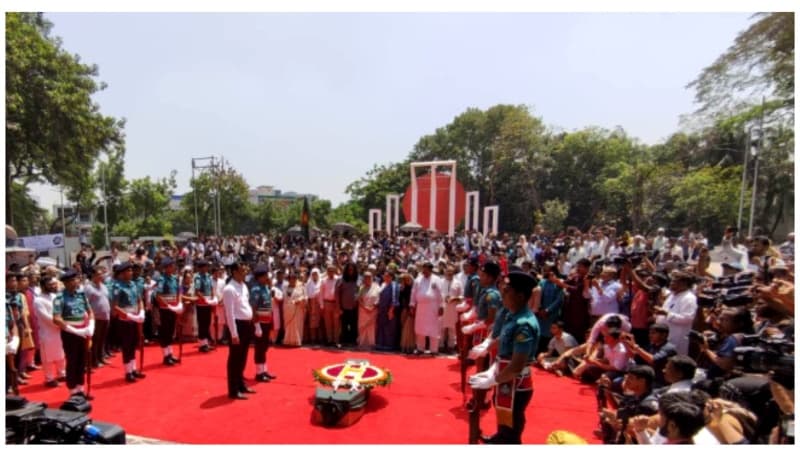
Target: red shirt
point(640, 313)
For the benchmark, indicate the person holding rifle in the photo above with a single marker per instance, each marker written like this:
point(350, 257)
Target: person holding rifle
point(517, 341)
point(206, 302)
point(12, 346)
point(126, 304)
point(170, 307)
point(73, 314)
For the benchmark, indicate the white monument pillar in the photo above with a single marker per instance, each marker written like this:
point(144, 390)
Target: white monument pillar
point(374, 221)
point(494, 211)
point(472, 211)
point(392, 213)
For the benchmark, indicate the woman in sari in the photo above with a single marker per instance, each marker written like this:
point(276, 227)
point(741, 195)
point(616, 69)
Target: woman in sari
point(294, 308)
point(367, 311)
point(314, 307)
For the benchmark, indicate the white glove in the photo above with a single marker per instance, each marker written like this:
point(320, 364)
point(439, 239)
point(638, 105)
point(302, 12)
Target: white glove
point(473, 327)
point(469, 316)
point(89, 330)
point(480, 349)
point(75, 331)
point(12, 345)
point(138, 317)
point(257, 330)
point(462, 306)
point(130, 317)
point(482, 382)
point(177, 309)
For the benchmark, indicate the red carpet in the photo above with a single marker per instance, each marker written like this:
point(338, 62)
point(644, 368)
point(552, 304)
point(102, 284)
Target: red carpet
point(188, 403)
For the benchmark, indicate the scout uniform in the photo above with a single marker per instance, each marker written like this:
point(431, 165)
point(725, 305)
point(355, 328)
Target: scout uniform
point(261, 302)
point(168, 309)
point(125, 305)
point(74, 309)
point(204, 288)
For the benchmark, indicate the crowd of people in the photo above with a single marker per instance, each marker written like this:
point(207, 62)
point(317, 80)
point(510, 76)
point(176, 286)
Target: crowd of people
point(676, 353)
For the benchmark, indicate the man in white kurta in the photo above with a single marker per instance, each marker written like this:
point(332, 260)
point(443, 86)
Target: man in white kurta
point(453, 294)
point(50, 348)
point(679, 310)
point(427, 298)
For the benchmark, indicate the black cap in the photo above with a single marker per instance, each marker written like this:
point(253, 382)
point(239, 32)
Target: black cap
point(491, 268)
point(69, 274)
point(119, 268)
point(201, 263)
point(427, 264)
point(260, 270)
point(167, 261)
point(473, 261)
point(521, 282)
point(139, 251)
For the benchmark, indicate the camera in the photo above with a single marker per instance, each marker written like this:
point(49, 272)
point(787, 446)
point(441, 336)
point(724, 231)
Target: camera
point(759, 354)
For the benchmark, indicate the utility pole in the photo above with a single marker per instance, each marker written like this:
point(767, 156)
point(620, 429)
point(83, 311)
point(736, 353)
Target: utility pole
point(744, 180)
point(755, 169)
point(105, 205)
point(64, 228)
point(197, 166)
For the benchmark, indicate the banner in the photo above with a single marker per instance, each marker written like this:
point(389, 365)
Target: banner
point(44, 242)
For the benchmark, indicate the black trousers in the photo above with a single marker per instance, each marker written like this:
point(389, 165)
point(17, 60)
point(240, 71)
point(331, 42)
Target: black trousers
point(237, 356)
point(112, 334)
point(262, 344)
point(204, 321)
point(166, 330)
point(75, 354)
point(349, 326)
point(513, 435)
point(129, 338)
point(99, 340)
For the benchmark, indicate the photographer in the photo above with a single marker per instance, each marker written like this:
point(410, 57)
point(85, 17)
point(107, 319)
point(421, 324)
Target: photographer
point(733, 323)
point(657, 353)
point(679, 310)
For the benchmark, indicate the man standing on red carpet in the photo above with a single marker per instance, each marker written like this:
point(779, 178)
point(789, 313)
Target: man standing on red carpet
point(129, 309)
point(239, 317)
point(517, 343)
point(261, 301)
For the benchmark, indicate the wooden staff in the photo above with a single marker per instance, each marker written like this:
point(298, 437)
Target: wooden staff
point(12, 368)
point(88, 367)
point(478, 397)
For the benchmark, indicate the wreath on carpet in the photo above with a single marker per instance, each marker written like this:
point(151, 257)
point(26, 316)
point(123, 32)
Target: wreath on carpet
point(354, 374)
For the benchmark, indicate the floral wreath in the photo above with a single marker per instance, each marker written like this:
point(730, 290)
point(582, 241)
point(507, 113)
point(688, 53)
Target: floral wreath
point(353, 373)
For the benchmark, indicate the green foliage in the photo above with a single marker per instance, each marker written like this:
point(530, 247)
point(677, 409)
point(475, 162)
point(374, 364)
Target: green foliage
point(145, 207)
point(54, 131)
point(28, 219)
point(709, 197)
point(554, 214)
point(761, 61)
point(98, 236)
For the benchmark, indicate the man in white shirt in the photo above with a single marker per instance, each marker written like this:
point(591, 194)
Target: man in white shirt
point(426, 307)
point(604, 293)
point(239, 316)
point(679, 373)
point(679, 310)
point(660, 240)
point(453, 293)
point(330, 308)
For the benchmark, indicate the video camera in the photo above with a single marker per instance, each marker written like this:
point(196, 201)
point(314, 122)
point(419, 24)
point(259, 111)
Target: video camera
point(729, 291)
point(759, 354)
point(634, 258)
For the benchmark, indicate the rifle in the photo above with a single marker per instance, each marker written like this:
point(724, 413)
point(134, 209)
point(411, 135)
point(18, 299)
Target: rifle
point(462, 355)
point(89, 367)
point(216, 326)
point(474, 408)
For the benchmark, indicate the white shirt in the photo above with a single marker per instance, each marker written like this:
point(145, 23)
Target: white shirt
point(604, 300)
point(236, 298)
point(328, 288)
point(681, 309)
point(560, 345)
point(617, 356)
point(680, 386)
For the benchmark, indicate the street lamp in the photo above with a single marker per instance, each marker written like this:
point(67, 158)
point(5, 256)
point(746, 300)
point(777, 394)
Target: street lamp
point(196, 166)
point(105, 203)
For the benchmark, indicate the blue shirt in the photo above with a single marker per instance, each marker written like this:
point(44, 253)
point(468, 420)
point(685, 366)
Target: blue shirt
point(472, 287)
point(72, 307)
point(260, 297)
point(167, 285)
point(125, 295)
point(202, 284)
point(488, 297)
point(519, 334)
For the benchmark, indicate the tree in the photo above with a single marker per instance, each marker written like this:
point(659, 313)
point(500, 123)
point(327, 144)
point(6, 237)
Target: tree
point(234, 204)
point(54, 131)
point(760, 62)
point(707, 199)
point(553, 215)
point(145, 206)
